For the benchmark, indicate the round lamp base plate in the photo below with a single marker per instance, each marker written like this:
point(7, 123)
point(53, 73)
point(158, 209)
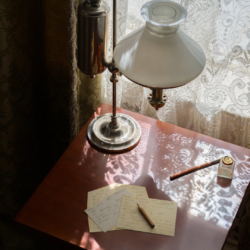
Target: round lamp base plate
point(105, 138)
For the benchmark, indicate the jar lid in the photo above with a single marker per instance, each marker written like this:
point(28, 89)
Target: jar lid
point(227, 160)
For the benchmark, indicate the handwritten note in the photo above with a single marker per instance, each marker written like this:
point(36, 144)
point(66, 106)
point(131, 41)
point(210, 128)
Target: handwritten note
point(162, 213)
point(105, 213)
point(100, 194)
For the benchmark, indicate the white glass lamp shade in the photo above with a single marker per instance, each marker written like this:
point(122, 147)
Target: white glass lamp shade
point(159, 54)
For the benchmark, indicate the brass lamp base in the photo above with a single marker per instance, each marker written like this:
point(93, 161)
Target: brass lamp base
point(104, 137)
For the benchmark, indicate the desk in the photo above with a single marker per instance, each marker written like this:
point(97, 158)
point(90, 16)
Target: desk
point(206, 205)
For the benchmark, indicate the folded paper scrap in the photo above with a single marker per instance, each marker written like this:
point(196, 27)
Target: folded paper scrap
point(105, 213)
point(100, 194)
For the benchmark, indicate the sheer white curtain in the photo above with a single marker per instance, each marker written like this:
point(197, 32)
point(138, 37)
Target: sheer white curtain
point(217, 103)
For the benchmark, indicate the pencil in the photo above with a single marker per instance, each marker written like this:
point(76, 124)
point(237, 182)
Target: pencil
point(146, 217)
point(191, 170)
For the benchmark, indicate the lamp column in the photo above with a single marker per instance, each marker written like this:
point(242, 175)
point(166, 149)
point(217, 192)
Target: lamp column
point(111, 132)
point(114, 123)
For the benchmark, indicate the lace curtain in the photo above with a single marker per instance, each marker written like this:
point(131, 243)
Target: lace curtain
point(217, 103)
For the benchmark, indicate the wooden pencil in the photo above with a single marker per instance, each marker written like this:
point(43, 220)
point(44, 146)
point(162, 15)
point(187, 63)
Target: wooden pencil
point(191, 170)
point(146, 217)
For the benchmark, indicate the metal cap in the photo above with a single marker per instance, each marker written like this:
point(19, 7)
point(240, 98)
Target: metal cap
point(227, 160)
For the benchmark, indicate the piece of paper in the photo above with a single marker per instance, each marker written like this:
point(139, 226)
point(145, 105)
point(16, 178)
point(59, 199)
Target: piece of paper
point(100, 194)
point(161, 212)
point(105, 213)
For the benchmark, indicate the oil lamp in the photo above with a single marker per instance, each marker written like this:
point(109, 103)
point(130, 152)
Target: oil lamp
point(159, 55)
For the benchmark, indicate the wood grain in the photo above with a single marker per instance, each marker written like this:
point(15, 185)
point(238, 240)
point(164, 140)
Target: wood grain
point(206, 209)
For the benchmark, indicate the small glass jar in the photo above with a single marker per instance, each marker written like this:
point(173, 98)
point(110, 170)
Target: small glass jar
point(226, 167)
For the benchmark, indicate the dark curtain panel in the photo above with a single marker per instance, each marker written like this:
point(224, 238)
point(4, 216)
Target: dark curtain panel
point(38, 103)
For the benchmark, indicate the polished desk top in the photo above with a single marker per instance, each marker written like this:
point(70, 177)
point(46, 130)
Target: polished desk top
point(206, 205)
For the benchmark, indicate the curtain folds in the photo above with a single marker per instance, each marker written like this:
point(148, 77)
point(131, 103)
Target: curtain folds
point(39, 106)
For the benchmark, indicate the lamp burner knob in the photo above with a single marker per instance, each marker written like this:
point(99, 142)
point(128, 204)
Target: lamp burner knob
point(157, 98)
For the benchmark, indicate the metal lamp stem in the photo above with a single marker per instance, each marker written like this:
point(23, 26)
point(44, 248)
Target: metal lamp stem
point(114, 93)
point(114, 24)
point(114, 123)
